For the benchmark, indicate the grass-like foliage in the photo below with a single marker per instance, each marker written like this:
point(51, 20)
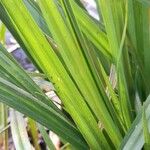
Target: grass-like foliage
point(100, 69)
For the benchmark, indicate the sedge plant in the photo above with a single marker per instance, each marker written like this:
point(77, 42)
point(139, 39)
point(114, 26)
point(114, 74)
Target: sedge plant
point(99, 68)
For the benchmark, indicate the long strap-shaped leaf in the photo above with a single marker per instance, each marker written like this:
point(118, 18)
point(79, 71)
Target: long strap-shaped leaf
point(50, 64)
point(87, 24)
point(19, 132)
point(46, 137)
point(8, 22)
point(12, 72)
point(21, 79)
point(85, 47)
point(92, 31)
point(74, 59)
point(109, 14)
point(31, 106)
point(135, 138)
point(9, 70)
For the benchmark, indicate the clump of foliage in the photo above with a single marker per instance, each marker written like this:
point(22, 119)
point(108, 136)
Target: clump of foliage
point(99, 68)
